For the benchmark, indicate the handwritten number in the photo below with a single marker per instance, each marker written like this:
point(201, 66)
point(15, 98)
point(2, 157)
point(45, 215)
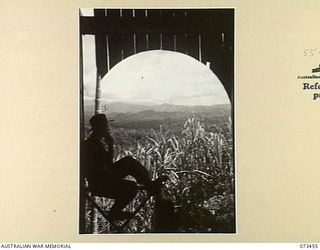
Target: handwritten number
point(311, 52)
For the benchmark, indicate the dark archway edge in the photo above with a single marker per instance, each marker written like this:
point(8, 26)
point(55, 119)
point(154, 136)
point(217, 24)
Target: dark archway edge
point(120, 34)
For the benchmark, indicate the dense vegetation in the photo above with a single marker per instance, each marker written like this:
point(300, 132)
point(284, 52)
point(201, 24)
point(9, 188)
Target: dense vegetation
point(197, 155)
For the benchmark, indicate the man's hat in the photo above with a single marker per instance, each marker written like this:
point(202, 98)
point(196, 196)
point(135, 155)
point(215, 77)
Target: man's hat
point(99, 121)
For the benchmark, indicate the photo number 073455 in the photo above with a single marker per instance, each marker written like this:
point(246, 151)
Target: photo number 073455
point(156, 121)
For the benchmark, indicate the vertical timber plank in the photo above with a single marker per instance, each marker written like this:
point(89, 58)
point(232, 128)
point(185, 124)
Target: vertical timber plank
point(115, 48)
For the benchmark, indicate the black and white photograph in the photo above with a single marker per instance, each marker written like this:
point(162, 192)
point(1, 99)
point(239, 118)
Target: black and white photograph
point(156, 123)
point(159, 122)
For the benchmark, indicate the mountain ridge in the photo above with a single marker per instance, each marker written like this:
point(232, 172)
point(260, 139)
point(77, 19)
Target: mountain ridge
point(123, 107)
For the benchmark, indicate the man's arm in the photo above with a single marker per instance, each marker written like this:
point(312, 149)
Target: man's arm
point(109, 141)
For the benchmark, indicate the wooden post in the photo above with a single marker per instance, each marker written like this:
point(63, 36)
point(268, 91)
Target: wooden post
point(95, 220)
point(200, 52)
point(134, 44)
point(98, 95)
point(95, 226)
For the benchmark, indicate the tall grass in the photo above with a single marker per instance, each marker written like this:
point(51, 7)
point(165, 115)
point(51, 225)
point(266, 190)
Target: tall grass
point(199, 164)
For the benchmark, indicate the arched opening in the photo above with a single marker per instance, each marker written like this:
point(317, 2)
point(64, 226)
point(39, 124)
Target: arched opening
point(160, 76)
point(160, 80)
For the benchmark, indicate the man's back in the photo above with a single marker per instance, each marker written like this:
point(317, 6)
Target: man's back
point(96, 162)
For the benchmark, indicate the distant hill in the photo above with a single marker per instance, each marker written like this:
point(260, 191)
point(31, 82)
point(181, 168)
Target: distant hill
point(122, 107)
point(138, 116)
point(146, 115)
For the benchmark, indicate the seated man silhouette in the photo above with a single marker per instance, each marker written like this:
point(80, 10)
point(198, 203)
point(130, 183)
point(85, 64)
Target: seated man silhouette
point(105, 177)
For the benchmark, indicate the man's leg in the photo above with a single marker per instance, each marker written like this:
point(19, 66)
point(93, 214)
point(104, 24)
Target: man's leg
point(123, 193)
point(129, 166)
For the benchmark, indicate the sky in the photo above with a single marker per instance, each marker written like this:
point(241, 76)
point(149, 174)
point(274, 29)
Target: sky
point(156, 77)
